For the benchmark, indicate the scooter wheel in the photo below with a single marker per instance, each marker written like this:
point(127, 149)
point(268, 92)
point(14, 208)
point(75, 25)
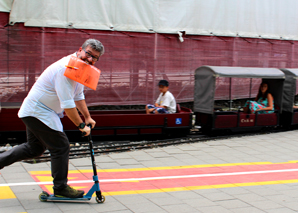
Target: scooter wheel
point(102, 200)
point(43, 197)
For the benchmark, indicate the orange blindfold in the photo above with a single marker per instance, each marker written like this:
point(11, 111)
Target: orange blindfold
point(83, 73)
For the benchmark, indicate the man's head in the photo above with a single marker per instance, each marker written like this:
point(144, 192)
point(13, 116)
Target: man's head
point(90, 51)
point(163, 86)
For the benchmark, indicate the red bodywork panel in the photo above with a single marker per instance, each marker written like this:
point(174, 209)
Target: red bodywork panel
point(105, 119)
point(227, 120)
point(295, 118)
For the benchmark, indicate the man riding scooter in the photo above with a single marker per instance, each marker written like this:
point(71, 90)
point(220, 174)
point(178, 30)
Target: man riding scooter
point(50, 96)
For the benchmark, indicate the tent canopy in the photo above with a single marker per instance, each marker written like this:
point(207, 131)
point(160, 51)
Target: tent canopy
point(273, 19)
point(205, 82)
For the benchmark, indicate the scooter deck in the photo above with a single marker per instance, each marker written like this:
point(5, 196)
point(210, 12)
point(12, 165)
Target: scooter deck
point(52, 197)
point(44, 196)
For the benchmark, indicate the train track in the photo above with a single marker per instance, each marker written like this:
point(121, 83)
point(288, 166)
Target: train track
point(78, 150)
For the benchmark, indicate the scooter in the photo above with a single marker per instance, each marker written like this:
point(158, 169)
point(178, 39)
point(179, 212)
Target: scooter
point(44, 196)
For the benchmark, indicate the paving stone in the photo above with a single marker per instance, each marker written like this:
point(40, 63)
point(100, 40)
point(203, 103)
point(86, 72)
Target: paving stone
point(196, 203)
point(186, 147)
point(207, 191)
point(214, 209)
point(34, 203)
point(263, 191)
point(291, 193)
point(281, 198)
point(218, 196)
point(184, 195)
point(235, 190)
point(80, 162)
point(232, 204)
point(291, 205)
point(16, 176)
point(174, 151)
point(131, 199)
point(26, 189)
point(9, 203)
point(250, 197)
point(46, 210)
point(143, 207)
point(280, 210)
point(104, 159)
point(184, 156)
point(14, 168)
point(109, 206)
point(193, 161)
point(12, 209)
point(75, 206)
point(247, 210)
point(127, 161)
point(179, 208)
point(108, 166)
point(154, 163)
point(143, 158)
point(264, 205)
point(166, 201)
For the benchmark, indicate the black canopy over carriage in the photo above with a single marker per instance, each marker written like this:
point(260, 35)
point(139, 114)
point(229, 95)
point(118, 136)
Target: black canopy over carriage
point(290, 115)
point(204, 95)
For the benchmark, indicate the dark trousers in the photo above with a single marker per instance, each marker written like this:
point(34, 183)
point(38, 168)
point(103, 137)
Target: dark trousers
point(40, 137)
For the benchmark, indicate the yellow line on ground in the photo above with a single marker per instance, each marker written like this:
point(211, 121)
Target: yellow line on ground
point(162, 168)
point(6, 193)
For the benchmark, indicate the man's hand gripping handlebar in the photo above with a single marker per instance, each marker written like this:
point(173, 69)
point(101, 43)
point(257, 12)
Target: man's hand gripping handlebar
point(87, 130)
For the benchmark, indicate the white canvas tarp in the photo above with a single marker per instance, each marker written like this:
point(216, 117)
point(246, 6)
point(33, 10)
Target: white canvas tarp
point(5, 5)
point(274, 19)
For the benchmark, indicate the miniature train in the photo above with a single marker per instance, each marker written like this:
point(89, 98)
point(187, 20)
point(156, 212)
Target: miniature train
point(282, 87)
point(128, 123)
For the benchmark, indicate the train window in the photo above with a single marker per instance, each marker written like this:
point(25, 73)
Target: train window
point(227, 89)
point(236, 88)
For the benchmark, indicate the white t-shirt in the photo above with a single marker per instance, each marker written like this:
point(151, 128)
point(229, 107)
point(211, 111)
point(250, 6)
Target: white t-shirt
point(167, 100)
point(51, 94)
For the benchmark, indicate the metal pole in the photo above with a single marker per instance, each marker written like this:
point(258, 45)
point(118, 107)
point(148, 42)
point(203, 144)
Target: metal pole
point(154, 67)
point(250, 86)
point(230, 93)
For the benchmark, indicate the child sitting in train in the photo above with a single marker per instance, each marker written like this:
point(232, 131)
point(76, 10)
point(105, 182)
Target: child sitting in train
point(165, 103)
point(263, 102)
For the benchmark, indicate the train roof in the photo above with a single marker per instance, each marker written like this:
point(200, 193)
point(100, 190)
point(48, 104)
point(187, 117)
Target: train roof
point(241, 72)
point(291, 71)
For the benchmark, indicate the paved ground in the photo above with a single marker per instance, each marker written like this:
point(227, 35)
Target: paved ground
point(248, 174)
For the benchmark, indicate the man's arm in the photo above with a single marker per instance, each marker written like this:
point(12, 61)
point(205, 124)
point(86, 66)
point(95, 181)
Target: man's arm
point(65, 88)
point(82, 106)
point(74, 116)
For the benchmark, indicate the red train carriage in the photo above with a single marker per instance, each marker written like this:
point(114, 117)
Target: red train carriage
point(209, 119)
point(122, 123)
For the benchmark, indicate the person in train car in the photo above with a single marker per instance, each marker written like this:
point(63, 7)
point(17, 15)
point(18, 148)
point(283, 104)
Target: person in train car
point(41, 110)
point(263, 103)
point(165, 102)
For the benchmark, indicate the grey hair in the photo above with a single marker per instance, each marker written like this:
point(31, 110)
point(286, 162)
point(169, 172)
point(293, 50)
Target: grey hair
point(95, 45)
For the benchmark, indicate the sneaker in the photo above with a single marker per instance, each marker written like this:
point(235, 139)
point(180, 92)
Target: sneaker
point(69, 192)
